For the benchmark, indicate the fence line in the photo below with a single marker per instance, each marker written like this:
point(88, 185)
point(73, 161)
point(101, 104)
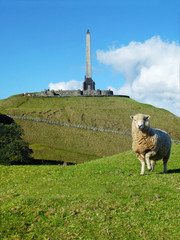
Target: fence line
point(77, 126)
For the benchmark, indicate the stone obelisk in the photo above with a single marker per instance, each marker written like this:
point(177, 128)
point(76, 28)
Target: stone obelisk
point(88, 55)
point(88, 84)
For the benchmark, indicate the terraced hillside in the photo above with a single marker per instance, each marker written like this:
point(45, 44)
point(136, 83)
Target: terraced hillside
point(53, 142)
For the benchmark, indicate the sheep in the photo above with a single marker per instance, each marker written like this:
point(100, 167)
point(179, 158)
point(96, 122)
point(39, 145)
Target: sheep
point(149, 143)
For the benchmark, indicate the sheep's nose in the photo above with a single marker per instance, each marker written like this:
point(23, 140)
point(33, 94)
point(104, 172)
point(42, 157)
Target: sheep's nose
point(140, 126)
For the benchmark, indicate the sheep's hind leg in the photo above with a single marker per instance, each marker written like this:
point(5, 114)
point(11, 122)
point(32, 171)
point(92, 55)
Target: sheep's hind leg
point(153, 163)
point(165, 160)
point(141, 158)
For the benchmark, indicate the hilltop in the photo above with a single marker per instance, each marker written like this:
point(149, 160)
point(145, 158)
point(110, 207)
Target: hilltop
point(53, 142)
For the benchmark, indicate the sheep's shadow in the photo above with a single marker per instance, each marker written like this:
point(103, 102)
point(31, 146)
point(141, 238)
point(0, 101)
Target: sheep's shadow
point(173, 171)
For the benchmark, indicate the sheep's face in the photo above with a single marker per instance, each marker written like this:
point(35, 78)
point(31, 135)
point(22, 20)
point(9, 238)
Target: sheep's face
point(141, 121)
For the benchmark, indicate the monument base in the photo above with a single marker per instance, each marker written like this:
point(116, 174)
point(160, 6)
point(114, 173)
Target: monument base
point(88, 84)
point(74, 93)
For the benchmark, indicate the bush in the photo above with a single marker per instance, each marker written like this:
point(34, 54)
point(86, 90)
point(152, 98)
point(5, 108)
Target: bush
point(13, 149)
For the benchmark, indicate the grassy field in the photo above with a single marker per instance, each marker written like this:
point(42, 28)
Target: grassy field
point(106, 112)
point(102, 199)
point(51, 142)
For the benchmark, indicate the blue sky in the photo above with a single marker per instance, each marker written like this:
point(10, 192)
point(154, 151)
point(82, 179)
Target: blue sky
point(44, 41)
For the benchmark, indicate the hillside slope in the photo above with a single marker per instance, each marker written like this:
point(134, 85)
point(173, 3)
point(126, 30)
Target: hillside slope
point(53, 142)
point(102, 199)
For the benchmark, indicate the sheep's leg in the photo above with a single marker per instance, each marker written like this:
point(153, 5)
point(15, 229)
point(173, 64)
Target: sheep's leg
point(165, 160)
point(142, 167)
point(153, 163)
point(141, 158)
point(165, 166)
point(147, 158)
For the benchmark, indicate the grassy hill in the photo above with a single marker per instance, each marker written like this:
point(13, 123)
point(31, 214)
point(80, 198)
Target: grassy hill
point(102, 199)
point(52, 142)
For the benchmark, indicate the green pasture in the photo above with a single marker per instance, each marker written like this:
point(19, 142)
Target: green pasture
point(59, 143)
point(101, 199)
point(106, 112)
point(52, 142)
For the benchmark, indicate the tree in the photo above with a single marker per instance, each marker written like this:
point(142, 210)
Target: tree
point(13, 149)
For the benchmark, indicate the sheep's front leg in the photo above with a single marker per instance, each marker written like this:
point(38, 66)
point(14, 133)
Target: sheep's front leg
point(142, 167)
point(142, 160)
point(147, 158)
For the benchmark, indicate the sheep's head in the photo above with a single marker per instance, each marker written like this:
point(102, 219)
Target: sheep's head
point(141, 121)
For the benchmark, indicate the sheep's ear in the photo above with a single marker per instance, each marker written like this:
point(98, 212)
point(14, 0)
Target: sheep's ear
point(131, 116)
point(147, 116)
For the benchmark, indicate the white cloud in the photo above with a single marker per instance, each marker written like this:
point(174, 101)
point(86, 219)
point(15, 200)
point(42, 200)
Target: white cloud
point(151, 72)
point(71, 85)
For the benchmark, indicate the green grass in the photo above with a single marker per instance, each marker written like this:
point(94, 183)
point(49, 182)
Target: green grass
point(51, 142)
point(107, 112)
point(102, 199)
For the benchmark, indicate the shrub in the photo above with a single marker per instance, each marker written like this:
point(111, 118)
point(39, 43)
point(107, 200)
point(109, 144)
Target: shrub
point(13, 149)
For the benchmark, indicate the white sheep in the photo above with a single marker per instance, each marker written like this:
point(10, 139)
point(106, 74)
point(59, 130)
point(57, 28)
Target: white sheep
point(149, 143)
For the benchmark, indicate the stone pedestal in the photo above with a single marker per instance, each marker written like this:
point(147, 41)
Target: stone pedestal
point(88, 84)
